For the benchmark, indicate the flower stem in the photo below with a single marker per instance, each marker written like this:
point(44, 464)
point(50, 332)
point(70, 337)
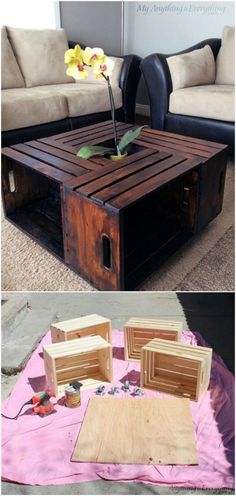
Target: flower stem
point(112, 104)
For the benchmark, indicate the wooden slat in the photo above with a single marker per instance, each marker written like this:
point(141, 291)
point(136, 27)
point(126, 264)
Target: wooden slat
point(80, 322)
point(117, 188)
point(62, 362)
point(86, 164)
point(155, 323)
point(163, 432)
point(37, 165)
point(61, 152)
point(98, 137)
point(188, 139)
point(191, 146)
point(81, 130)
point(75, 183)
point(92, 132)
point(177, 348)
point(140, 191)
point(118, 179)
point(52, 160)
point(181, 147)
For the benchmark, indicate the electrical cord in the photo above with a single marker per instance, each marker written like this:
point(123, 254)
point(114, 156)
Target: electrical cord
point(14, 418)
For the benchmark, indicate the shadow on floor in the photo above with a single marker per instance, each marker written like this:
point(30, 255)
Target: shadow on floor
point(212, 314)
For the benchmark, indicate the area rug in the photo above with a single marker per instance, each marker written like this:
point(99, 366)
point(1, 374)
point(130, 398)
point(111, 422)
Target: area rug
point(219, 262)
point(38, 450)
point(26, 266)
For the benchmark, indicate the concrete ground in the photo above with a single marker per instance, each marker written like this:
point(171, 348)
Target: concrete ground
point(212, 314)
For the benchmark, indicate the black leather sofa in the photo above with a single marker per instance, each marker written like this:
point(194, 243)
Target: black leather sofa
point(129, 79)
point(157, 78)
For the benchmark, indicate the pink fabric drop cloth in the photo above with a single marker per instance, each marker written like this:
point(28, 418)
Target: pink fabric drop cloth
point(37, 450)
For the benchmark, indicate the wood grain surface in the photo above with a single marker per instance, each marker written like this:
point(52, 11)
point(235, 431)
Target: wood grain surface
point(137, 430)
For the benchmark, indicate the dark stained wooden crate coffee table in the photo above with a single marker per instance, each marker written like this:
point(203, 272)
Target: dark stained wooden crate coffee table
point(113, 222)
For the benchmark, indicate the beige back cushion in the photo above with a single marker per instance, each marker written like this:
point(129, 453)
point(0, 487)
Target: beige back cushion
point(11, 74)
point(115, 77)
point(225, 61)
point(40, 55)
point(192, 69)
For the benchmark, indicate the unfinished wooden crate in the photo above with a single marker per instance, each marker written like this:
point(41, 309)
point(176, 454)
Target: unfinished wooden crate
point(176, 368)
point(89, 325)
point(88, 360)
point(138, 332)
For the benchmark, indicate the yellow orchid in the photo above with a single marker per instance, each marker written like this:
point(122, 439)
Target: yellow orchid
point(102, 67)
point(74, 55)
point(105, 67)
point(92, 55)
point(77, 71)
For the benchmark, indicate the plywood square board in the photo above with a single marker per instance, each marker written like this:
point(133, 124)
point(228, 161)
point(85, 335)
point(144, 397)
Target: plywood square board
point(137, 430)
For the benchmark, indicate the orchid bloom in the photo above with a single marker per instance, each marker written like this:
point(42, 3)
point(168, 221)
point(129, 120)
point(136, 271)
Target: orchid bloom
point(105, 67)
point(74, 59)
point(93, 55)
point(102, 67)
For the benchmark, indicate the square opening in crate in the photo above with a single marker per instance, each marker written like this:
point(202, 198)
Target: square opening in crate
point(151, 225)
point(139, 331)
point(88, 325)
point(88, 360)
point(32, 202)
point(176, 368)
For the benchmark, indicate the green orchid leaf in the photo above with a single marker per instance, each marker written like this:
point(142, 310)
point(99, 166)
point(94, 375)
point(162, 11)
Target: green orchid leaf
point(129, 137)
point(90, 151)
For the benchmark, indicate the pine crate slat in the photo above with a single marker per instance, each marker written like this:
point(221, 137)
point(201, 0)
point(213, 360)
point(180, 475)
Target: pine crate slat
point(139, 331)
point(176, 368)
point(88, 325)
point(88, 360)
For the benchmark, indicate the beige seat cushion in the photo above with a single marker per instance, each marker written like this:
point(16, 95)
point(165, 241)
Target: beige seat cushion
point(31, 106)
point(225, 61)
point(25, 107)
point(11, 74)
point(85, 99)
point(192, 68)
point(114, 79)
point(40, 55)
point(210, 101)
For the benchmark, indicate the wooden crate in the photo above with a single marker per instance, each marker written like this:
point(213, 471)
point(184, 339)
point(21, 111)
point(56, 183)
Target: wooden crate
point(176, 368)
point(88, 360)
point(89, 325)
point(138, 332)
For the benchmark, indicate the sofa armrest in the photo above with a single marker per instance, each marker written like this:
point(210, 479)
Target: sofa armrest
point(129, 80)
point(157, 78)
point(73, 43)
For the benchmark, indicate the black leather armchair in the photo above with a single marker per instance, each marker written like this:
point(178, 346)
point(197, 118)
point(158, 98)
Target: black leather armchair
point(157, 78)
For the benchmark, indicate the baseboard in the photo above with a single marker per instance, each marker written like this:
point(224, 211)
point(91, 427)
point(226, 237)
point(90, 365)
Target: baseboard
point(143, 109)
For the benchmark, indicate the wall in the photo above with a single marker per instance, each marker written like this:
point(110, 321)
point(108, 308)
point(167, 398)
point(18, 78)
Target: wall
point(94, 24)
point(35, 14)
point(171, 26)
point(168, 27)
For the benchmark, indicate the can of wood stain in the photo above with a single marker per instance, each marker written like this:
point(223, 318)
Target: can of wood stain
point(72, 394)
